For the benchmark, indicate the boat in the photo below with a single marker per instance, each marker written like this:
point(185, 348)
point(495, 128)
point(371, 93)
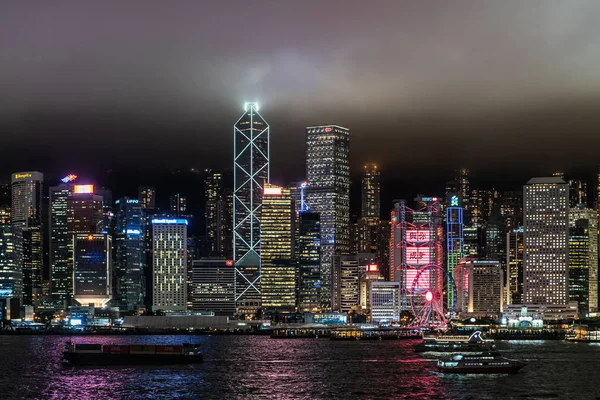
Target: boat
point(110, 354)
point(490, 362)
point(455, 343)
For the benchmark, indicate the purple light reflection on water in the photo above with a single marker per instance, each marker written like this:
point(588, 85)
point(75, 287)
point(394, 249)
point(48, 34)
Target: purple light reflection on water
point(259, 367)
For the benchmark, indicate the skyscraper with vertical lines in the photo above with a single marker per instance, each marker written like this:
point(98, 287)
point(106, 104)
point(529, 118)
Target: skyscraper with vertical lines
point(251, 171)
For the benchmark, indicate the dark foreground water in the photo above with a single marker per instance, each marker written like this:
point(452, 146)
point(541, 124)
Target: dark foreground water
point(260, 367)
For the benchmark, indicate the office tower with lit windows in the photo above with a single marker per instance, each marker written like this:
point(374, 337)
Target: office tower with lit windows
point(454, 239)
point(368, 224)
point(345, 283)
point(308, 256)
point(494, 236)
point(577, 193)
point(383, 247)
point(416, 241)
point(169, 264)
point(546, 241)
point(92, 269)
point(583, 259)
point(215, 212)
point(26, 213)
point(130, 254)
point(178, 205)
point(464, 192)
point(11, 262)
point(371, 192)
point(60, 262)
point(74, 209)
point(511, 208)
point(514, 267)
point(368, 274)
point(147, 198)
point(479, 287)
point(277, 249)
point(251, 172)
point(328, 174)
point(213, 281)
point(385, 302)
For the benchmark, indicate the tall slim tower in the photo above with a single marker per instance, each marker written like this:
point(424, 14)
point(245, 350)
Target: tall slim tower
point(215, 212)
point(26, 213)
point(454, 241)
point(368, 225)
point(583, 259)
point(371, 188)
point(328, 173)
point(546, 241)
point(130, 259)
point(251, 171)
point(464, 191)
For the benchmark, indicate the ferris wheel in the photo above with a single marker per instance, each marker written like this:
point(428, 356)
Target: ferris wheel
point(427, 297)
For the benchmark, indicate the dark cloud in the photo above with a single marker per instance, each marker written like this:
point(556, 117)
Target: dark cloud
point(489, 84)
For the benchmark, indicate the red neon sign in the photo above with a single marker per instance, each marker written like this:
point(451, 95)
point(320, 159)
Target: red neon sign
point(229, 263)
point(327, 130)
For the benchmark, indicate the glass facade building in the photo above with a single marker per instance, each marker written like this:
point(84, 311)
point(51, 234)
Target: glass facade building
point(130, 254)
point(92, 270)
point(251, 172)
point(328, 194)
point(26, 213)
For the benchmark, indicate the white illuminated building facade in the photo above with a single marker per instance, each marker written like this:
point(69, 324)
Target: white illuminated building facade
point(169, 264)
point(546, 241)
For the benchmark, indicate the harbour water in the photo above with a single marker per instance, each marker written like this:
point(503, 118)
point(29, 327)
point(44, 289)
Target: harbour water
point(260, 367)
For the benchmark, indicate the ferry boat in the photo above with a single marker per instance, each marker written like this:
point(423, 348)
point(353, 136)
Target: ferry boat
point(482, 363)
point(455, 343)
point(108, 354)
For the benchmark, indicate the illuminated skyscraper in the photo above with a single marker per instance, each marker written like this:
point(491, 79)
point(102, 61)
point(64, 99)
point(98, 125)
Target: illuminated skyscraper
point(546, 241)
point(371, 189)
point(308, 255)
point(514, 266)
point(60, 241)
point(416, 241)
point(479, 287)
point(464, 192)
point(583, 259)
point(11, 262)
point(328, 173)
point(345, 291)
point(92, 271)
point(577, 193)
point(213, 279)
point(147, 198)
point(368, 224)
point(215, 211)
point(276, 235)
point(178, 205)
point(454, 240)
point(169, 264)
point(26, 213)
point(251, 172)
point(130, 257)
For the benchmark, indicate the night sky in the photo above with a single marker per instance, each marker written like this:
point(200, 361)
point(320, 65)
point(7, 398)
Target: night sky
point(509, 89)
